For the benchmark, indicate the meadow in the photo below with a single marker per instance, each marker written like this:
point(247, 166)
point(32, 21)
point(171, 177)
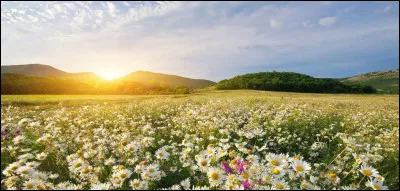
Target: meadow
point(209, 139)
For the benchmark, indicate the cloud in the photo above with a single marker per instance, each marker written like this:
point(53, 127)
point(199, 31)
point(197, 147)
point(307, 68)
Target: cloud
point(308, 24)
point(112, 10)
point(215, 39)
point(274, 24)
point(387, 9)
point(327, 21)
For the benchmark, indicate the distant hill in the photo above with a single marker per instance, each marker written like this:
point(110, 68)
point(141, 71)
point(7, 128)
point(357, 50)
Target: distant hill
point(290, 82)
point(172, 80)
point(46, 70)
point(34, 70)
point(383, 81)
point(44, 79)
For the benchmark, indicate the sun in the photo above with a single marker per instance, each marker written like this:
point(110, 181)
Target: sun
point(109, 75)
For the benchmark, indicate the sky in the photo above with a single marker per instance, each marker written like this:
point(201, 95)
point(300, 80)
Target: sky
point(208, 40)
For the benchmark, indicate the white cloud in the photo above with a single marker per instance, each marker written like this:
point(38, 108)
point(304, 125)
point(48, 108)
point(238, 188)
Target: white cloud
point(112, 10)
point(387, 9)
point(275, 24)
point(327, 21)
point(126, 3)
point(32, 18)
point(308, 24)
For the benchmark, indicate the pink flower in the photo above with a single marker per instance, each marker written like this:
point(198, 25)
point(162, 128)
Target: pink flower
point(225, 165)
point(246, 185)
point(240, 165)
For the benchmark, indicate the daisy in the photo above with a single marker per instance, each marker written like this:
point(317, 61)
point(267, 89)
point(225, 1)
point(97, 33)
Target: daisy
point(18, 139)
point(162, 154)
point(186, 184)
point(275, 160)
point(369, 171)
point(134, 184)
point(301, 166)
point(110, 162)
point(203, 163)
point(30, 185)
point(376, 185)
point(41, 156)
point(278, 171)
point(100, 186)
point(215, 176)
point(279, 184)
point(124, 173)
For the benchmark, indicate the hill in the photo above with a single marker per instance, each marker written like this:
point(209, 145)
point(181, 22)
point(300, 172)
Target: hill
point(142, 77)
point(383, 81)
point(290, 82)
point(46, 70)
point(12, 83)
point(172, 80)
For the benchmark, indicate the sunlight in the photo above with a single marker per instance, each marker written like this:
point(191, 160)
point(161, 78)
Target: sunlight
point(109, 75)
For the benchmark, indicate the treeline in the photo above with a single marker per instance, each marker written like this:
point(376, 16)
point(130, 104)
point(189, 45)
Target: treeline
point(23, 84)
point(290, 82)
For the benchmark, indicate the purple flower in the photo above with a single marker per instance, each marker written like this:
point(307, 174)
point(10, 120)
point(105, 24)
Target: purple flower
point(225, 165)
point(240, 165)
point(246, 184)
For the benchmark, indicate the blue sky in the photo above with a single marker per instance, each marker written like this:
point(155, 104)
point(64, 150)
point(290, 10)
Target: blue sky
point(211, 40)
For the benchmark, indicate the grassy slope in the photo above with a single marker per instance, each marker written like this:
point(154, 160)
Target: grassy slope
point(385, 81)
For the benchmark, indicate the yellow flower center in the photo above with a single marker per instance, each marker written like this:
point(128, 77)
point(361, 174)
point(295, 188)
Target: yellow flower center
point(77, 165)
point(279, 186)
point(233, 162)
point(210, 152)
point(124, 143)
point(41, 157)
point(245, 175)
point(25, 172)
point(332, 176)
point(130, 148)
point(29, 185)
point(299, 168)
point(151, 170)
point(275, 162)
point(123, 175)
point(118, 181)
point(214, 176)
point(160, 154)
point(230, 187)
point(203, 163)
point(377, 187)
point(297, 157)
point(276, 171)
point(85, 171)
point(14, 168)
point(367, 172)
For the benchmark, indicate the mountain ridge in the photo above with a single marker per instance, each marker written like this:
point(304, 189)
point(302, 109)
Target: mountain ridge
point(145, 77)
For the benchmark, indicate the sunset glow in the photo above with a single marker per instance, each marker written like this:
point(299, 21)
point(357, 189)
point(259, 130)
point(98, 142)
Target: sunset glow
point(109, 75)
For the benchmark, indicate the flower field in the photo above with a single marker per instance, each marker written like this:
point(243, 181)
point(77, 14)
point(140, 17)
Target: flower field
point(206, 140)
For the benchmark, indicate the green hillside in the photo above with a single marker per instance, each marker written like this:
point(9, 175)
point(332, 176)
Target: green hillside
point(290, 82)
point(384, 81)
